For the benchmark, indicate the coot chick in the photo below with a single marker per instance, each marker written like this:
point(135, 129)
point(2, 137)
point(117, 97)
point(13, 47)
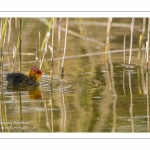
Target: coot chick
point(19, 79)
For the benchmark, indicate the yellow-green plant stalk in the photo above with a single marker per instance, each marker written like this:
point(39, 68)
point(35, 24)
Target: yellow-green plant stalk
point(131, 40)
point(48, 30)
point(147, 43)
point(18, 47)
point(140, 46)
point(62, 65)
point(59, 32)
point(20, 34)
point(108, 38)
point(39, 49)
point(141, 39)
point(45, 49)
point(124, 48)
point(2, 42)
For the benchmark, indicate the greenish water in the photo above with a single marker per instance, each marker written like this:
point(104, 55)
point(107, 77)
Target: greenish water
point(95, 95)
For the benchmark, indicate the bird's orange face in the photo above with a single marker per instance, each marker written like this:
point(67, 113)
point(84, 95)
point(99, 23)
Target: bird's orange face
point(35, 73)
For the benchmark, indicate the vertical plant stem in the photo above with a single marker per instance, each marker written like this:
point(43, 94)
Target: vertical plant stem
point(36, 54)
point(2, 42)
point(147, 53)
point(20, 33)
point(59, 32)
point(131, 40)
point(141, 39)
point(142, 75)
point(14, 57)
point(140, 46)
point(45, 49)
point(147, 43)
point(108, 37)
point(40, 54)
point(124, 48)
point(62, 66)
point(52, 53)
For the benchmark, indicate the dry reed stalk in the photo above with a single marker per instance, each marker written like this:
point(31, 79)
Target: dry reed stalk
point(131, 40)
point(147, 43)
point(52, 51)
point(142, 75)
point(147, 53)
point(140, 46)
point(14, 57)
point(141, 39)
point(48, 31)
point(20, 37)
point(108, 37)
point(124, 50)
point(39, 48)
point(45, 42)
point(2, 43)
point(36, 55)
point(59, 32)
point(9, 30)
point(62, 65)
point(45, 49)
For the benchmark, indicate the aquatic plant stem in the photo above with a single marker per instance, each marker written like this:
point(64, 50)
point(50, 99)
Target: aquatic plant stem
point(45, 49)
point(131, 40)
point(2, 42)
point(147, 43)
point(39, 52)
point(59, 32)
point(108, 37)
point(147, 53)
point(62, 65)
point(124, 50)
point(36, 55)
point(52, 52)
point(20, 33)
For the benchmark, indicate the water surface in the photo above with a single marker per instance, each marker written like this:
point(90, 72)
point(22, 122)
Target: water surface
point(95, 95)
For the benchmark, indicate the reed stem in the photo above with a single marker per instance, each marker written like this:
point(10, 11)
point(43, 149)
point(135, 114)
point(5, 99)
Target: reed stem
point(52, 52)
point(108, 37)
point(147, 43)
point(45, 49)
point(131, 40)
point(124, 50)
point(40, 54)
point(20, 33)
point(59, 32)
point(36, 54)
point(62, 66)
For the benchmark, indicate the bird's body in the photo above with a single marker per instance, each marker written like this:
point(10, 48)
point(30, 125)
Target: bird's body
point(19, 79)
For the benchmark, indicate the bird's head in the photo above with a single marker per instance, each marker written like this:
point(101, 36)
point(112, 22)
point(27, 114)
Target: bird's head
point(35, 73)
